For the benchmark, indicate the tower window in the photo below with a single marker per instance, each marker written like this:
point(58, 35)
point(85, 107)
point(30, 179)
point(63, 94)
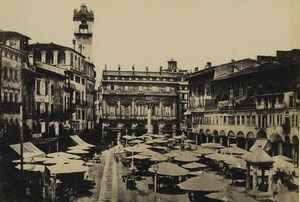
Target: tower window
point(83, 28)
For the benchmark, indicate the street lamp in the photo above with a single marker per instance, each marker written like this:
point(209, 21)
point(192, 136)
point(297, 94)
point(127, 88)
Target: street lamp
point(155, 169)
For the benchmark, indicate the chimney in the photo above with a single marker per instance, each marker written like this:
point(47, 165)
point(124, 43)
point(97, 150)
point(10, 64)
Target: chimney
point(196, 69)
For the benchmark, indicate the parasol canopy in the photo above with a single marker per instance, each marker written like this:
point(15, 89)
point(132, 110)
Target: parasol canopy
point(31, 160)
point(73, 166)
point(204, 182)
point(81, 147)
point(186, 158)
point(160, 141)
point(213, 145)
point(158, 136)
point(234, 150)
point(172, 154)
point(32, 167)
point(149, 142)
point(169, 169)
point(138, 156)
point(134, 149)
point(203, 151)
point(194, 165)
point(281, 164)
point(230, 196)
point(63, 155)
point(189, 141)
point(136, 141)
point(158, 158)
point(179, 137)
point(77, 151)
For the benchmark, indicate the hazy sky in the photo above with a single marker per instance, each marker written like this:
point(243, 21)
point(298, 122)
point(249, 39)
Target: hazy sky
point(150, 32)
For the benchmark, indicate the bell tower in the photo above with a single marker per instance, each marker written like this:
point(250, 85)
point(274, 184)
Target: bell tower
point(83, 23)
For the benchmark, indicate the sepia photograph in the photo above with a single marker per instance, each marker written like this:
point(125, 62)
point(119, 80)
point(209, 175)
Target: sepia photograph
point(138, 100)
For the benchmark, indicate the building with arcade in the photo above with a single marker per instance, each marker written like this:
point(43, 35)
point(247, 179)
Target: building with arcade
point(248, 103)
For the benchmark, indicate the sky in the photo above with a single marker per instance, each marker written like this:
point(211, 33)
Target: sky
point(151, 32)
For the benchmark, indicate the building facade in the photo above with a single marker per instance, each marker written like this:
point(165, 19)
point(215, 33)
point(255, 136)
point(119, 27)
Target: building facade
point(244, 101)
point(125, 97)
point(16, 94)
point(78, 93)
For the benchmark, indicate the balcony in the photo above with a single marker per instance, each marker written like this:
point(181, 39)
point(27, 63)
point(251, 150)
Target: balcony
point(279, 106)
point(10, 108)
point(132, 117)
point(140, 92)
point(223, 104)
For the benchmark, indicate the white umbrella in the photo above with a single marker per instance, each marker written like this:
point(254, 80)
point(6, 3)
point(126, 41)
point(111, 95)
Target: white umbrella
point(63, 155)
point(169, 169)
point(77, 151)
point(32, 167)
point(194, 165)
point(205, 182)
point(186, 158)
point(31, 160)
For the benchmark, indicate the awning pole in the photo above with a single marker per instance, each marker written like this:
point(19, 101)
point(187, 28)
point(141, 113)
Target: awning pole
point(21, 134)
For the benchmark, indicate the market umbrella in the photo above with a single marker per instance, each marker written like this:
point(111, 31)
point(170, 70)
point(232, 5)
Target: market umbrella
point(186, 158)
point(149, 142)
point(205, 182)
point(159, 148)
point(158, 158)
point(158, 136)
point(234, 150)
point(172, 154)
point(73, 166)
point(281, 164)
point(179, 137)
point(82, 147)
point(167, 135)
point(235, 162)
point(32, 167)
point(138, 156)
point(194, 165)
point(136, 141)
point(160, 141)
point(134, 149)
point(169, 169)
point(63, 155)
point(281, 157)
point(230, 196)
point(31, 160)
point(217, 156)
point(189, 141)
point(77, 151)
point(128, 137)
point(213, 145)
point(202, 151)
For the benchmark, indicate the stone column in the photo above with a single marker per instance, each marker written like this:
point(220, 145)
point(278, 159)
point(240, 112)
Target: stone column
point(280, 148)
point(254, 188)
point(43, 58)
point(149, 125)
point(68, 58)
point(248, 176)
point(270, 181)
point(55, 57)
point(133, 108)
point(119, 109)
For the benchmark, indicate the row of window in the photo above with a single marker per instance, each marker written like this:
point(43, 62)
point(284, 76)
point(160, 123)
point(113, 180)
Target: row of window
point(140, 88)
point(138, 78)
point(78, 79)
point(10, 97)
point(10, 73)
point(80, 114)
point(140, 111)
point(262, 121)
point(45, 89)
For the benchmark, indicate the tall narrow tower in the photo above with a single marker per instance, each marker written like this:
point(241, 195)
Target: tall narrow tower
point(83, 24)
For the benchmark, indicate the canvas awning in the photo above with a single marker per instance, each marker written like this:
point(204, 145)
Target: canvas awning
point(261, 143)
point(79, 141)
point(29, 150)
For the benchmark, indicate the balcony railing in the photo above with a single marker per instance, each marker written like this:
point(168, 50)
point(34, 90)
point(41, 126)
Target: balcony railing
point(138, 117)
point(134, 92)
point(10, 107)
